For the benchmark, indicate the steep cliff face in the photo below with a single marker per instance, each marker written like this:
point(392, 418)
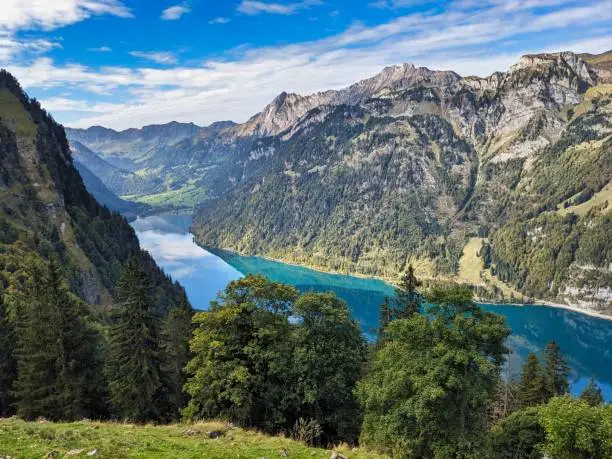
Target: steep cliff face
point(45, 210)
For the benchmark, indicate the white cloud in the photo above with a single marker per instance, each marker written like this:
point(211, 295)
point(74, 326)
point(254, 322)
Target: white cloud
point(51, 14)
point(219, 20)
point(10, 46)
point(396, 4)
point(465, 41)
point(158, 57)
point(175, 12)
point(101, 49)
point(252, 7)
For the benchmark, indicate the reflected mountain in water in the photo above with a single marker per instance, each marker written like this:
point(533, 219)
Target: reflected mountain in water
point(584, 340)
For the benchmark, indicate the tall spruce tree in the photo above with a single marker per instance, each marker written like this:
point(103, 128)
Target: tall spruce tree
point(56, 352)
point(532, 387)
point(592, 394)
point(385, 317)
point(134, 363)
point(556, 371)
point(8, 365)
point(408, 300)
point(176, 333)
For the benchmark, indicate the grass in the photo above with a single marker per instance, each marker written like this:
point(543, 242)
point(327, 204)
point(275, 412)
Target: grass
point(187, 196)
point(470, 264)
point(21, 439)
point(602, 198)
point(472, 271)
point(15, 115)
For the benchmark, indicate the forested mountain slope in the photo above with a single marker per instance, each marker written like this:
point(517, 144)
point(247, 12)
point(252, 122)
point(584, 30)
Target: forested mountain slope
point(418, 170)
point(46, 212)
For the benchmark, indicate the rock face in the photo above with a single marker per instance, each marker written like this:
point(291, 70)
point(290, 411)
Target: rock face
point(407, 166)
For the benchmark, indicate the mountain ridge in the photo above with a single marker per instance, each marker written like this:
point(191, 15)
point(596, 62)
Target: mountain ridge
point(408, 167)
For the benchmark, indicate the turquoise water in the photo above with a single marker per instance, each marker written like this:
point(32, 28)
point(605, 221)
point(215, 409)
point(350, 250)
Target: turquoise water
point(585, 340)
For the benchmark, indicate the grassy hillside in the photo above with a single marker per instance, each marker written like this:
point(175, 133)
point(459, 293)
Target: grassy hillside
point(35, 440)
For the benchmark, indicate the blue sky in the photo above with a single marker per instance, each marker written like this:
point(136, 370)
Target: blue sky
point(128, 63)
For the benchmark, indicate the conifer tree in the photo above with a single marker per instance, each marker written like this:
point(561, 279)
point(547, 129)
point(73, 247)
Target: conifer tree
point(408, 300)
point(556, 371)
point(56, 352)
point(8, 367)
point(592, 394)
point(176, 333)
point(134, 364)
point(532, 389)
point(385, 317)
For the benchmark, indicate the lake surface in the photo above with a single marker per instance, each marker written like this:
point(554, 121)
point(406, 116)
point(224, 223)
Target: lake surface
point(585, 341)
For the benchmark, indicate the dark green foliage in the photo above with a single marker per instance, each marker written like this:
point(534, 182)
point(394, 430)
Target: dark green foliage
point(255, 367)
point(385, 317)
point(328, 358)
point(240, 368)
point(518, 436)
point(407, 299)
point(334, 211)
point(133, 366)
point(576, 430)
point(105, 237)
point(176, 333)
point(56, 354)
point(532, 387)
point(592, 394)
point(8, 364)
point(429, 384)
point(556, 371)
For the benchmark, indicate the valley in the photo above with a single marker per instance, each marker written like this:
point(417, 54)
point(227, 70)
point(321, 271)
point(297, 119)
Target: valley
point(499, 182)
point(306, 228)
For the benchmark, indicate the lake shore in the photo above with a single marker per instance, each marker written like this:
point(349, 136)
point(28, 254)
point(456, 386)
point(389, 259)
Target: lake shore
point(493, 302)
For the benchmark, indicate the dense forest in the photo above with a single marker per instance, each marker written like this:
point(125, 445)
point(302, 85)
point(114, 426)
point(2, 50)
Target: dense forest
point(268, 358)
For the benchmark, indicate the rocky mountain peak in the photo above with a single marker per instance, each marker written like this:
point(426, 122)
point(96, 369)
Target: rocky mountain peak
point(407, 75)
point(561, 60)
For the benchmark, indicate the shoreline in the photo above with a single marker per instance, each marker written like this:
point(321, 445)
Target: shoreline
point(492, 302)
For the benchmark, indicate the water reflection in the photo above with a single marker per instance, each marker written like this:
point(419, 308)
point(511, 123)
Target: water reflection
point(583, 339)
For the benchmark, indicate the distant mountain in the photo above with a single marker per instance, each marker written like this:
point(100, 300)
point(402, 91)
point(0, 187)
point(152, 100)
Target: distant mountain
point(106, 197)
point(120, 181)
point(45, 210)
point(132, 143)
point(141, 162)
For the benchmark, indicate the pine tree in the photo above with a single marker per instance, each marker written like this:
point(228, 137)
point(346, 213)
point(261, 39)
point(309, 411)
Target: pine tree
point(592, 394)
point(385, 317)
point(56, 352)
point(8, 366)
point(408, 300)
point(176, 333)
point(532, 390)
point(556, 371)
point(134, 365)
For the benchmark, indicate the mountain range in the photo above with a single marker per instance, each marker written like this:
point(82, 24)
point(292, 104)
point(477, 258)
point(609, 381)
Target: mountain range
point(502, 182)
